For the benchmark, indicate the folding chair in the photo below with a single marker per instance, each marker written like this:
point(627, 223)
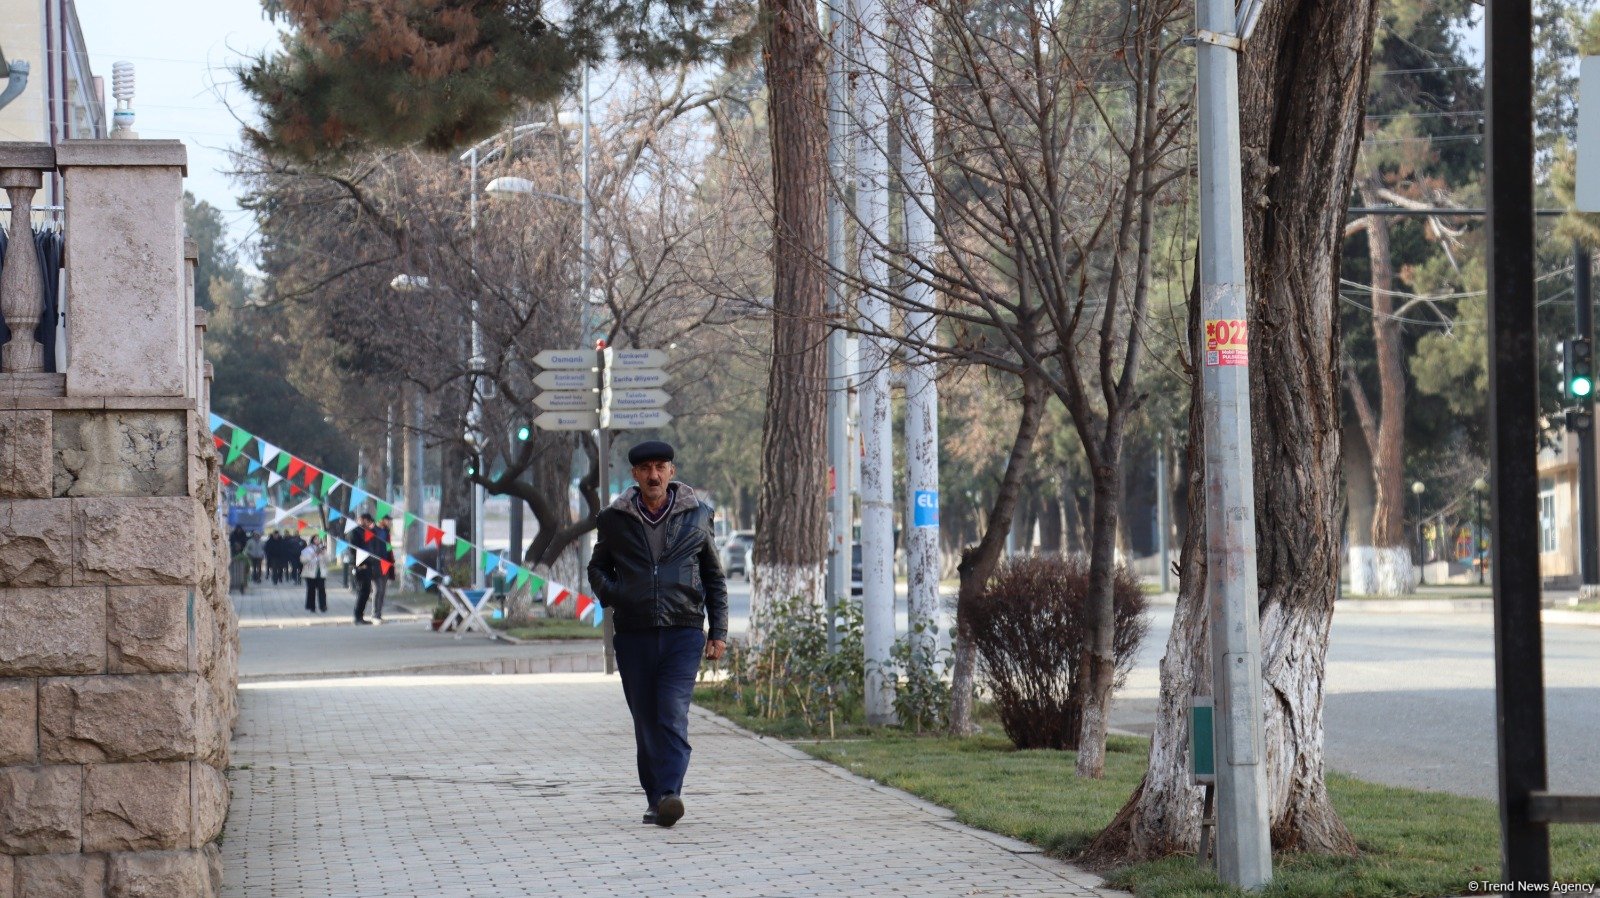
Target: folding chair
point(466, 609)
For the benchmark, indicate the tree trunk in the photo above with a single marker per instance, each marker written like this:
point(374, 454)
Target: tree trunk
point(1361, 565)
point(978, 562)
point(1385, 429)
point(1050, 525)
point(1098, 663)
point(790, 555)
point(1302, 87)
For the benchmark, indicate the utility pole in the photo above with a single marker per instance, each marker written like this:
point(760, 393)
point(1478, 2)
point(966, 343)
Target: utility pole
point(1588, 518)
point(1162, 525)
point(922, 389)
point(877, 464)
point(837, 27)
point(1244, 846)
point(413, 474)
point(1514, 438)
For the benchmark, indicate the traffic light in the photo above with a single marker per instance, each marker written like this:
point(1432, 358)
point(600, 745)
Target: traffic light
point(1577, 368)
point(524, 433)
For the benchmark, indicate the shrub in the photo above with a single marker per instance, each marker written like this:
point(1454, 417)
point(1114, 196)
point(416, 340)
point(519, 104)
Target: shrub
point(790, 674)
point(1029, 628)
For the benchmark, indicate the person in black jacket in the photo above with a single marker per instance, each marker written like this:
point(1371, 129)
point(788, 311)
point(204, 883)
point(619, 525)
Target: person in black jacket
point(655, 567)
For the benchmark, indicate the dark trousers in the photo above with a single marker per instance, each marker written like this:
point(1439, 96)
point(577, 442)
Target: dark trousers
point(316, 589)
point(658, 668)
point(363, 591)
point(380, 587)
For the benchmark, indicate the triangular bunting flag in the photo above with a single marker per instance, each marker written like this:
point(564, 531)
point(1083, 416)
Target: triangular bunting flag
point(462, 547)
point(384, 566)
point(333, 514)
point(254, 466)
point(358, 498)
point(599, 614)
point(429, 573)
point(585, 604)
point(240, 438)
point(233, 453)
point(523, 576)
point(555, 594)
point(310, 475)
point(411, 519)
point(340, 546)
point(434, 536)
point(294, 490)
point(274, 478)
point(362, 555)
point(219, 441)
point(295, 467)
point(350, 524)
point(383, 510)
point(300, 525)
point(328, 481)
point(267, 451)
point(281, 464)
point(224, 479)
point(216, 422)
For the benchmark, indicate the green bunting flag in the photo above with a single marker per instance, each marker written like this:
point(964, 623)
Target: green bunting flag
point(411, 519)
point(462, 547)
point(236, 444)
point(328, 482)
point(281, 463)
point(383, 510)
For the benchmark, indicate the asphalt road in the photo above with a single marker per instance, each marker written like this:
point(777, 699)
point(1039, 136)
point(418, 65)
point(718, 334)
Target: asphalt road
point(1409, 700)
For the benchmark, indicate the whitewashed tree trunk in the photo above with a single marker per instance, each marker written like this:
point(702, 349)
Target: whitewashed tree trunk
point(1362, 566)
point(1393, 572)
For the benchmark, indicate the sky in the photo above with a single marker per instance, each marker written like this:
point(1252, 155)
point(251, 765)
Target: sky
point(183, 52)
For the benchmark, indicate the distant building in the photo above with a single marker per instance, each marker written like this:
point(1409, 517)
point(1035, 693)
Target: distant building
point(64, 98)
point(1558, 511)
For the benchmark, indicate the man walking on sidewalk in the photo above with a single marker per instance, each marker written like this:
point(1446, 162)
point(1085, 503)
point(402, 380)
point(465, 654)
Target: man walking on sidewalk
point(655, 566)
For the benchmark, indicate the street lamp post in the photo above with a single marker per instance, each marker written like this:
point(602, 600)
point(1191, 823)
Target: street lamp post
point(1417, 489)
point(1479, 487)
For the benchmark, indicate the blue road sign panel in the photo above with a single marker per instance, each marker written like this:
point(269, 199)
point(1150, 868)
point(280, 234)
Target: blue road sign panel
point(925, 508)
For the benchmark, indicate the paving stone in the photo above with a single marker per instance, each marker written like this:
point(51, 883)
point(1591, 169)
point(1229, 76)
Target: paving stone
point(346, 787)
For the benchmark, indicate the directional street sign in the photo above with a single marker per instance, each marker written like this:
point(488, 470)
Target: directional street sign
point(637, 358)
point(567, 421)
point(578, 359)
point(570, 380)
point(638, 419)
point(640, 379)
point(567, 401)
point(625, 399)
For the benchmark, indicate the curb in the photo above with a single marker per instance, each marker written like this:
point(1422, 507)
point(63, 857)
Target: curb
point(944, 817)
point(550, 664)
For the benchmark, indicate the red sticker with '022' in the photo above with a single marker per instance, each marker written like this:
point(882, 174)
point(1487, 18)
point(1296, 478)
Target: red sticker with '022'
point(1227, 342)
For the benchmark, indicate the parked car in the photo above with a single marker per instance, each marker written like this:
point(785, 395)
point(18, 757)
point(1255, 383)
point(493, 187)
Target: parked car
point(736, 553)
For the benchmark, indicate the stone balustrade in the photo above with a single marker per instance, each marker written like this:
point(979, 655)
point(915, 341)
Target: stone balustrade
point(118, 644)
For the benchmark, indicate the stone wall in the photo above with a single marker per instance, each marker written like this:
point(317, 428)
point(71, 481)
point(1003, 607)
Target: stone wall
point(118, 643)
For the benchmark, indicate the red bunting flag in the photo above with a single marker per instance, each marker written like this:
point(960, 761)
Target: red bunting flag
point(294, 490)
point(295, 466)
point(224, 479)
point(435, 536)
point(585, 605)
point(220, 441)
point(311, 475)
point(302, 525)
point(384, 565)
point(555, 594)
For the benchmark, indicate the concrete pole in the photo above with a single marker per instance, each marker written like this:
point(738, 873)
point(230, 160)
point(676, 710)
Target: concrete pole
point(1244, 849)
point(1162, 515)
point(877, 465)
point(839, 505)
point(922, 390)
point(1588, 519)
point(412, 460)
point(475, 407)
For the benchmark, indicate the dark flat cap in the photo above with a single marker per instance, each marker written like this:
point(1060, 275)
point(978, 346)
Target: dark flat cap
point(649, 450)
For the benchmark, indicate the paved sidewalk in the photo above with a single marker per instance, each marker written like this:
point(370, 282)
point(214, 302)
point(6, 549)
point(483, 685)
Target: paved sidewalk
point(403, 647)
point(284, 605)
point(439, 787)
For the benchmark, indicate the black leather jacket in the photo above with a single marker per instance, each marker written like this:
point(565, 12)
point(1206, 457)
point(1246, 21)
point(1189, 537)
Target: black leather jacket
point(681, 589)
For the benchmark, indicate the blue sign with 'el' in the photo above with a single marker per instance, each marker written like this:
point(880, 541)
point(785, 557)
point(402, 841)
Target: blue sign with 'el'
point(925, 508)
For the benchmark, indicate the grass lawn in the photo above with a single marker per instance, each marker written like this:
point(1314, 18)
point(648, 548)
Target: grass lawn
point(558, 628)
point(1413, 843)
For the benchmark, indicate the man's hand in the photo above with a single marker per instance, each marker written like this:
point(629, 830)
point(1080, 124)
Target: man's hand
point(715, 649)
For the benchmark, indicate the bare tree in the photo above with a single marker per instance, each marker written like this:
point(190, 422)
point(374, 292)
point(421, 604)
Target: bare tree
point(1060, 142)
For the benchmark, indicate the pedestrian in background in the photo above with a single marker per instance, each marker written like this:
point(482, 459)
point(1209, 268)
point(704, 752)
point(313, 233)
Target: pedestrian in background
point(655, 566)
point(313, 567)
point(296, 546)
point(384, 531)
point(364, 538)
point(257, 550)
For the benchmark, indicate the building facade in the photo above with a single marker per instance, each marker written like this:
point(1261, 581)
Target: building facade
point(64, 98)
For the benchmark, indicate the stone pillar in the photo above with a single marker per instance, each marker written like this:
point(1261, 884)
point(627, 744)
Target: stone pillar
point(118, 645)
point(128, 327)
